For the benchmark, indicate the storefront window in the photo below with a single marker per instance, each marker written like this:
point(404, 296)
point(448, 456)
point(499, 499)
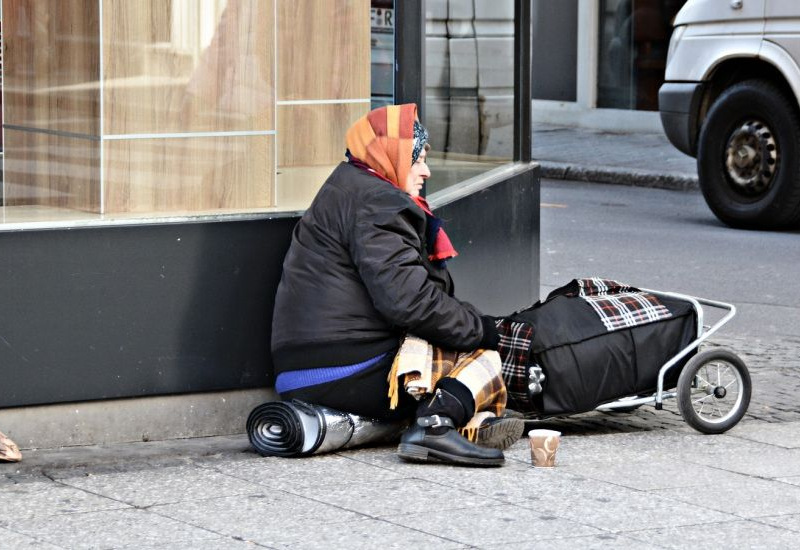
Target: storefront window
point(634, 37)
point(469, 97)
point(134, 109)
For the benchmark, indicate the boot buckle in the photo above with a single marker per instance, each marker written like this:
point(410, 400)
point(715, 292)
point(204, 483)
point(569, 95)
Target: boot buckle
point(435, 421)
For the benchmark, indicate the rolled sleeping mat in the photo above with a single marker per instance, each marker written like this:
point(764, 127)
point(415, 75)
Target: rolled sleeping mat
point(295, 428)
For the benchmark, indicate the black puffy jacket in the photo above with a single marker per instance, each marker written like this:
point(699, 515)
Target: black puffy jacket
point(357, 277)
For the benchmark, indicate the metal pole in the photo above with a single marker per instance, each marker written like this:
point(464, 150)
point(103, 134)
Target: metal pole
point(409, 49)
point(522, 81)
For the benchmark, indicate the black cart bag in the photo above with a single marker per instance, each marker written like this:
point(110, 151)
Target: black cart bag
point(595, 341)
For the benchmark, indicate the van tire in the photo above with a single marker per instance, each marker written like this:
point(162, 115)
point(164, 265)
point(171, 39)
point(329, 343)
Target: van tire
point(748, 159)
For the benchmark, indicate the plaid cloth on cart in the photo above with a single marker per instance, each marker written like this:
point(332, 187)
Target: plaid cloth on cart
point(619, 305)
point(515, 348)
point(581, 356)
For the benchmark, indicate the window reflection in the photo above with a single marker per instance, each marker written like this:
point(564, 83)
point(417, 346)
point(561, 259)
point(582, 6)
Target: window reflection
point(143, 108)
point(634, 37)
point(469, 100)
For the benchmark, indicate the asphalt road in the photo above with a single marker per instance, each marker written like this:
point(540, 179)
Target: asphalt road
point(669, 240)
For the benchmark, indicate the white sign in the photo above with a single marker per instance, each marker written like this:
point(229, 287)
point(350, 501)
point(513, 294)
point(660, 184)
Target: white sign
point(382, 18)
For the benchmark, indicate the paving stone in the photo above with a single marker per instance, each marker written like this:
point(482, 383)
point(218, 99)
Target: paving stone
point(722, 536)
point(662, 473)
point(748, 458)
point(795, 480)
point(163, 485)
point(558, 493)
point(405, 496)
point(592, 542)
point(258, 518)
point(490, 526)
point(11, 539)
point(220, 543)
point(111, 529)
point(612, 507)
point(362, 533)
point(316, 471)
point(748, 498)
point(790, 522)
point(511, 483)
point(47, 498)
point(769, 433)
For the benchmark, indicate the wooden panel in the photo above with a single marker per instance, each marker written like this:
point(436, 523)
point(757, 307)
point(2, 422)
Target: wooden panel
point(51, 64)
point(43, 169)
point(296, 187)
point(323, 49)
point(189, 174)
point(181, 67)
point(311, 135)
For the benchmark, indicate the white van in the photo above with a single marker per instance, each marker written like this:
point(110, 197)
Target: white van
point(731, 98)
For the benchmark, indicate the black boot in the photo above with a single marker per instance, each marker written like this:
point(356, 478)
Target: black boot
point(433, 435)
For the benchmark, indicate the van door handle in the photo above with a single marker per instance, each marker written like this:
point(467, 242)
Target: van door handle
point(736, 4)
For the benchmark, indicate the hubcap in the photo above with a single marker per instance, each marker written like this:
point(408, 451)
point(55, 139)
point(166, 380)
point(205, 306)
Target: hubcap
point(717, 391)
point(751, 158)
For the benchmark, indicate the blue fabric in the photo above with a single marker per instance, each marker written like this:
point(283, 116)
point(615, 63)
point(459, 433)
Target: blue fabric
point(296, 379)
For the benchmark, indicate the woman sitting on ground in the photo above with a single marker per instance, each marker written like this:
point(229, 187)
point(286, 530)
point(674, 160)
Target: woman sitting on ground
point(365, 273)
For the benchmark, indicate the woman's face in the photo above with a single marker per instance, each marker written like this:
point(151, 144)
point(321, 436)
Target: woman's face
point(417, 175)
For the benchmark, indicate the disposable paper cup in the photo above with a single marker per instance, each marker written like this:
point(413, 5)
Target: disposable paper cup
point(544, 444)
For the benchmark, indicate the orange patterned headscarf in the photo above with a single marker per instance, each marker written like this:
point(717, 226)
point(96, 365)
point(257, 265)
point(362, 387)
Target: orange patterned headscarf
point(383, 139)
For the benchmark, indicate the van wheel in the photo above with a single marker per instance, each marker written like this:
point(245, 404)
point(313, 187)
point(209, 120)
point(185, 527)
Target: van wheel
point(748, 158)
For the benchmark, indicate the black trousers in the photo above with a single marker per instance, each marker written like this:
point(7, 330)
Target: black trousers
point(364, 393)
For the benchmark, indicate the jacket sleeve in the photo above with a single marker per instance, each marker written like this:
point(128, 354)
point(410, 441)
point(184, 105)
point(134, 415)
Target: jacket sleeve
point(386, 251)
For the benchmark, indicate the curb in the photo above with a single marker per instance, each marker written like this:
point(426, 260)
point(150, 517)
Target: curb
point(619, 176)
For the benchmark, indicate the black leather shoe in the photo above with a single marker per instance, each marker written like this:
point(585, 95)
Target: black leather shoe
point(434, 438)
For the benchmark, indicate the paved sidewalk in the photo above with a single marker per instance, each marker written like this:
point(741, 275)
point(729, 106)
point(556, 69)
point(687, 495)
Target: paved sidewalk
point(622, 481)
point(638, 480)
point(633, 158)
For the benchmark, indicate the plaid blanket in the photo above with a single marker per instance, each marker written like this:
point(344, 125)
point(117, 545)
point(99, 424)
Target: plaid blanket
point(619, 305)
point(595, 286)
point(514, 349)
point(418, 366)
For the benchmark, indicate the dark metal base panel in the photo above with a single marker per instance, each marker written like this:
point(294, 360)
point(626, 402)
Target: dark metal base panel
point(496, 232)
point(98, 313)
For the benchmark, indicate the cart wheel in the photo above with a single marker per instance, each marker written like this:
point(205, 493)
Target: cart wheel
point(714, 391)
